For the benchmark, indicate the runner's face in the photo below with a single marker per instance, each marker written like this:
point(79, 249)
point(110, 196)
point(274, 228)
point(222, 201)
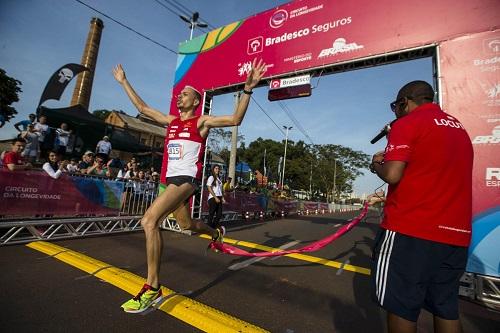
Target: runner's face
point(186, 100)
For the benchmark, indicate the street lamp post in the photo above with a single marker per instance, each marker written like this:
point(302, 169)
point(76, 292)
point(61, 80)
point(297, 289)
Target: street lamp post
point(334, 179)
point(287, 128)
point(193, 22)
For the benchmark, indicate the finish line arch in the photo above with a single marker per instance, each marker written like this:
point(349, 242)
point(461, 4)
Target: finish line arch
point(324, 37)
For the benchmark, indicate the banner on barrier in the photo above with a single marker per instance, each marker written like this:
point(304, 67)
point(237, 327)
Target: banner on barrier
point(35, 193)
point(472, 93)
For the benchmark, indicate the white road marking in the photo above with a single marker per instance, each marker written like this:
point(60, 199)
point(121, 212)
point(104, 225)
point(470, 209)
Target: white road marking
point(250, 261)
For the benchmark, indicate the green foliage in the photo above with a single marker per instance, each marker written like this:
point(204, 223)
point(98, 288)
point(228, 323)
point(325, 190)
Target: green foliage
point(219, 140)
point(340, 163)
point(101, 114)
point(308, 165)
point(9, 89)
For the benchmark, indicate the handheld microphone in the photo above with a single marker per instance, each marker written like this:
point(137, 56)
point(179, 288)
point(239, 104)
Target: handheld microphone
point(383, 132)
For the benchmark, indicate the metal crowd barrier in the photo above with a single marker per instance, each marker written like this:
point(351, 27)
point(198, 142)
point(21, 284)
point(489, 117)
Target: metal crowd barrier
point(135, 200)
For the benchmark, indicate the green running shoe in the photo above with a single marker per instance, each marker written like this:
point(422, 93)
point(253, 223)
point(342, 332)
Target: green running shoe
point(146, 298)
point(219, 235)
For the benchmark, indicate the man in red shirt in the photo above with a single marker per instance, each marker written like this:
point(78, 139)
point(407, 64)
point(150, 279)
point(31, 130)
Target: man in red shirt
point(12, 160)
point(420, 252)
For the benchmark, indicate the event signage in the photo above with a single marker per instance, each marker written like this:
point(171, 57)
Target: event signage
point(35, 193)
point(310, 34)
point(470, 68)
point(289, 82)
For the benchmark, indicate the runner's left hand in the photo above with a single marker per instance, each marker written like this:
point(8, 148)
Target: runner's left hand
point(255, 75)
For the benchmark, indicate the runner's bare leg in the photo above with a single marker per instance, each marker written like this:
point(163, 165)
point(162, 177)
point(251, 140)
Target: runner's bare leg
point(183, 217)
point(167, 202)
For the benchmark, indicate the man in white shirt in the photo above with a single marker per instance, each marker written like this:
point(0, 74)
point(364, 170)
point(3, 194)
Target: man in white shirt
point(104, 147)
point(62, 139)
point(42, 129)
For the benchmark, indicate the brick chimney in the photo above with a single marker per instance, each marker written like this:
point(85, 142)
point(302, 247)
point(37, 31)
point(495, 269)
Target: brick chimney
point(83, 87)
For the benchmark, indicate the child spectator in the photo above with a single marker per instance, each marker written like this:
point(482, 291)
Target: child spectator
point(72, 167)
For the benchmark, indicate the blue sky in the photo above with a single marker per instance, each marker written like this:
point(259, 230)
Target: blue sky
point(39, 36)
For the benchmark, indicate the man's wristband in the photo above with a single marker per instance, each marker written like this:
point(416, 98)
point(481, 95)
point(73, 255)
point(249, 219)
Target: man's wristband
point(246, 92)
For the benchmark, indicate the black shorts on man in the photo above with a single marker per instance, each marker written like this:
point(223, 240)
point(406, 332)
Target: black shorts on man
point(410, 273)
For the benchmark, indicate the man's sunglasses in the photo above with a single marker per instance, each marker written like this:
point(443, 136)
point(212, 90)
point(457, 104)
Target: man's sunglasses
point(394, 105)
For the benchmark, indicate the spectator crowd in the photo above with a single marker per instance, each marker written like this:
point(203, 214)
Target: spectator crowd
point(39, 147)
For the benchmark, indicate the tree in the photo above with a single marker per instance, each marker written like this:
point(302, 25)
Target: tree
point(302, 158)
point(338, 168)
point(219, 140)
point(101, 114)
point(9, 89)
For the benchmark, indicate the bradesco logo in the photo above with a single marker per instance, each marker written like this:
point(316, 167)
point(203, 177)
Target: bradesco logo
point(316, 28)
point(340, 45)
point(494, 138)
point(255, 45)
point(275, 84)
point(492, 177)
point(491, 45)
point(290, 82)
point(278, 18)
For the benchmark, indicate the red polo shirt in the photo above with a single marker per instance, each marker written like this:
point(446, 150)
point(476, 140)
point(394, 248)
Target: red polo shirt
point(433, 199)
point(12, 158)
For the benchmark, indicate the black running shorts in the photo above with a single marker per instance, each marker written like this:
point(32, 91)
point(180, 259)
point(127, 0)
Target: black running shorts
point(179, 180)
point(409, 273)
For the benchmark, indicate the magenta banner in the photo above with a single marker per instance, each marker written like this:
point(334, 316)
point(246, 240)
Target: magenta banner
point(240, 202)
point(243, 202)
point(470, 67)
point(307, 34)
point(315, 246)
point(35, 193)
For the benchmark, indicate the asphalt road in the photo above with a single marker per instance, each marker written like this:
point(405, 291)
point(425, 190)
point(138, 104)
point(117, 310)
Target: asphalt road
point(43, 294)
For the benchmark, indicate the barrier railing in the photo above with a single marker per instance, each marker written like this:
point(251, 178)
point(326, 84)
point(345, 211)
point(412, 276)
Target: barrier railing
point(34, 206)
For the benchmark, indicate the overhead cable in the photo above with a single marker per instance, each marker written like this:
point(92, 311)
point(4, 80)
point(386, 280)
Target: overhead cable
point(127, 27)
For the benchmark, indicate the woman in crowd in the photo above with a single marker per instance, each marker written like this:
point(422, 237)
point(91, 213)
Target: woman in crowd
point(215, 198)
point(54, 168)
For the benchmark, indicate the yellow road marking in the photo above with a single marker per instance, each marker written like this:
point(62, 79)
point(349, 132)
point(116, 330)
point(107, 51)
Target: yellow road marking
point(299, 256)
point(188, 310)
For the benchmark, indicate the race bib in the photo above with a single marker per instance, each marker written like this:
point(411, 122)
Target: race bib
point(174, 151)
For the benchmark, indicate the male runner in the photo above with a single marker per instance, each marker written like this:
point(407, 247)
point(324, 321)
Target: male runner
point(421, 250)
point(186, 138)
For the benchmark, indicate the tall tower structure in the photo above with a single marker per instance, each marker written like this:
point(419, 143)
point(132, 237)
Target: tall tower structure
point(83, 88)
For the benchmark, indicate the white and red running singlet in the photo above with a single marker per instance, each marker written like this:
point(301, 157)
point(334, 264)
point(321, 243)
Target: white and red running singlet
point(185, 148)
